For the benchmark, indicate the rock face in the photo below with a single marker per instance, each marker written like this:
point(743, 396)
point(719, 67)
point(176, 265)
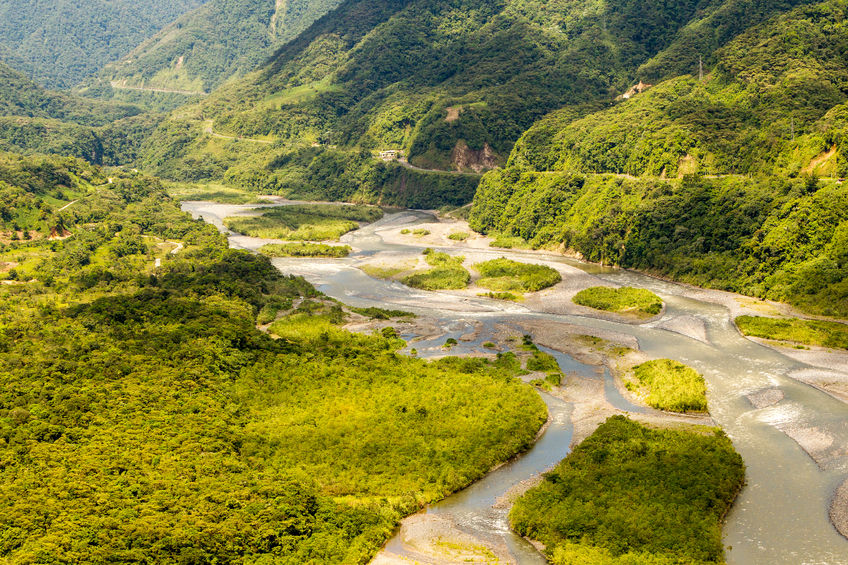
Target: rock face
point(464, 158)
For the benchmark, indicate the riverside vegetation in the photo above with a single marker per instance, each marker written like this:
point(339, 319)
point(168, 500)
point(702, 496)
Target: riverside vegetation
point(794, 330)
point(677, 486)
point(669, 385)
point(304, 249)
point(316, 222)
point(144, 417)
point(624, 300)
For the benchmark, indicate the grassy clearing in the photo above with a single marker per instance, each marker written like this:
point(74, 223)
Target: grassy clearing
point(305, 250)
point(459, 236)
point(307, 222)
point(509, 242)
point(505, 275)
point(632, 495)
point(447, 273)
point(625, 300)
point(808, 332)
point(210, 192)
point(669, 385)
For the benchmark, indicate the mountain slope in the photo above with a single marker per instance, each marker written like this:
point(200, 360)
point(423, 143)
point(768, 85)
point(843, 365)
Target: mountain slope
point(451, 83)
point(661, 182)
point(211, 44)
point(64, 41)
point(36, 120)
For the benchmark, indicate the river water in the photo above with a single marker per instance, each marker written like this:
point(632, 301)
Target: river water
point(780, 517)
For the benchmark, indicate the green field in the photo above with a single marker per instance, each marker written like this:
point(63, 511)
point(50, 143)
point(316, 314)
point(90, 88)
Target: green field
point(630, 495)
point(808, 332)
point(669, 385)
point(505, 275)
point(639, 302)
point(308, 222)
point(304, 249)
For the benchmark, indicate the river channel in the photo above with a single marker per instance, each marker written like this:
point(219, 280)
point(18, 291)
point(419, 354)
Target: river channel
point(780, 517)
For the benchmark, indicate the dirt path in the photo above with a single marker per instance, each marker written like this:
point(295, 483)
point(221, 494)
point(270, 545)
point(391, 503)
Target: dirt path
point(208, 129)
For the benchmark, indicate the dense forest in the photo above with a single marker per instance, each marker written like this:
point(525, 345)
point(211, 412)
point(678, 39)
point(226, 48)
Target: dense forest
point(677, 486)
point(212, 44)
point(143, 417)
point(63, 41)
point(453, 84)
point(673, 200)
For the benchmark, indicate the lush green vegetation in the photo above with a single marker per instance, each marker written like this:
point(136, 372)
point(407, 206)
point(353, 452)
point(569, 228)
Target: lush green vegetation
point(315, 222)
point(506, 275)
point(778, 238)
point(381, 313)
point(453, 84)
point(304, 249)
point(772, 105)
point(447, 273)
point(511, 296)
point(624, 300)
point(669, 385)
point(143, 417)
point(807, 332)
point(62, 42)
point(209, 45)
point(459, 235)
point(630, 494)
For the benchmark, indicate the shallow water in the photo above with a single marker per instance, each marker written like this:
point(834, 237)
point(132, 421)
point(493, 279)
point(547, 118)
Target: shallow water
point(780, 517)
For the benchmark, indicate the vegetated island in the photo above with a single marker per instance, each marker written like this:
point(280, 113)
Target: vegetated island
point(795, 331)
point(305, 222)
point(665, 384)
point(629, 494)
point(506, 275)
point(304, 249)
point(638, 302)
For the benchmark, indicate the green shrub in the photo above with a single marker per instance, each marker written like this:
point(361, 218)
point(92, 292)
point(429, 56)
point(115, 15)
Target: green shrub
point(672, 386)
point(507, 275)
point(625, 300)
point(459, 236)
point(810, 332)
point(447, 273)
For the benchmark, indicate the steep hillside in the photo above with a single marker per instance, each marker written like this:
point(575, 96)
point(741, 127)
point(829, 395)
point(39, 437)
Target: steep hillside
point(774, 105)
point(211, 44)
point(64, 41)
point(452, 84)
point(35, 120)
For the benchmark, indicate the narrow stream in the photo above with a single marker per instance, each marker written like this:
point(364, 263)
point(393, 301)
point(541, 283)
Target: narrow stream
point(781, 517)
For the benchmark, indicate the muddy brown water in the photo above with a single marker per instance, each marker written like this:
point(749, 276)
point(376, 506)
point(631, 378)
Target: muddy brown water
point(780, 517)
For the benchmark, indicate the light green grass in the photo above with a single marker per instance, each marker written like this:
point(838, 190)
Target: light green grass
point(308, 222)
point(459, 235)
point(505, 275)
point(809, 332)
point(669, 385)
point(303, 249)
point(509, 242)
point(639, 302)
point(447, 273)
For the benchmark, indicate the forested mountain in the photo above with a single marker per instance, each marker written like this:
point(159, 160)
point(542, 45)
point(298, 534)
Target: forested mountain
point(453, 84)
point(773, 105)
point(145, 418)
point(211, 44)
point(35, 120)
point(63, 41)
